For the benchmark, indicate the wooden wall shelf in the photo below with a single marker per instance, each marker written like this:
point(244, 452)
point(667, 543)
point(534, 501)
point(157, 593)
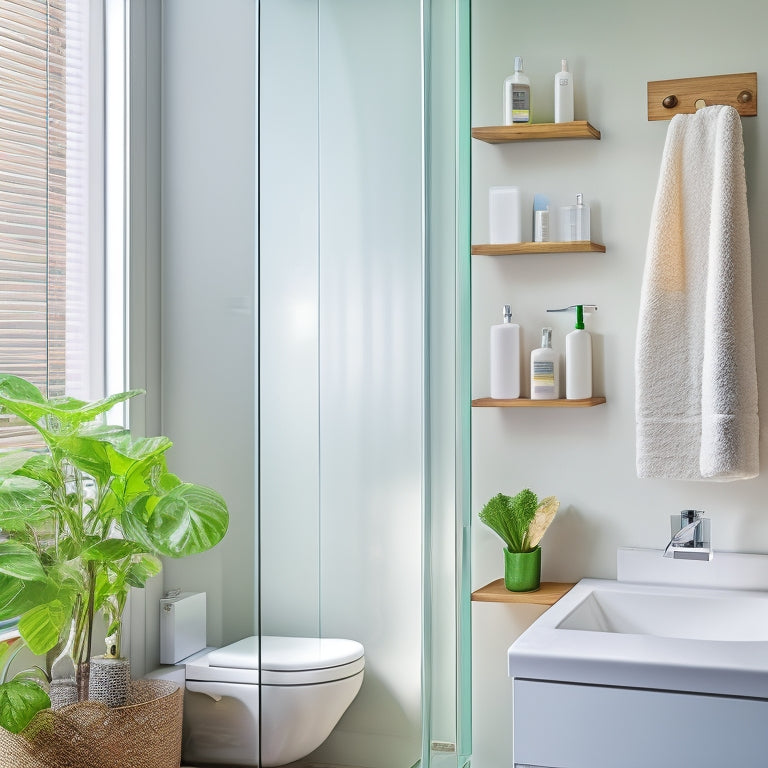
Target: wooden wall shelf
point(525, 402)
point(513, 249)
point(547, 594)
point(501, 134)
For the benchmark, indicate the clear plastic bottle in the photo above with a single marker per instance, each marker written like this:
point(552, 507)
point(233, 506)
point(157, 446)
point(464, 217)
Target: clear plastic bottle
point(574, 221)
point(517, 96)
point(564, 94)
point(545, 383)
point(505, 358)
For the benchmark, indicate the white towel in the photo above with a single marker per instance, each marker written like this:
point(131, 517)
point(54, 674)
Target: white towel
point(695, 375)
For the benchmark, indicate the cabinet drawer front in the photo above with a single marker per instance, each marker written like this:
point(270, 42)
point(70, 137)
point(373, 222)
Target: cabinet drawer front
point(564, 725)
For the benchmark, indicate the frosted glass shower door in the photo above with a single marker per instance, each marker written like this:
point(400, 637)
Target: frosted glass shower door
point(341, 365)
point(371, 357)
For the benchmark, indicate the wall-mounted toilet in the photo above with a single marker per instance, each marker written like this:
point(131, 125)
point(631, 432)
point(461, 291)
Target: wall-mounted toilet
point(305, 685)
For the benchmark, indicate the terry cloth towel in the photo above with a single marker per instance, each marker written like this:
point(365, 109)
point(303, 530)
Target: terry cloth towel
point(695, 375)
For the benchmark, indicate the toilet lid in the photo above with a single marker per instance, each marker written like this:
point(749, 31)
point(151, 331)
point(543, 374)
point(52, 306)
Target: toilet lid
point(287, 654)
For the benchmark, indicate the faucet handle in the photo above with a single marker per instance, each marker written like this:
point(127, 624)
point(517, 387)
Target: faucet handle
point(683, 518)
point(687, 534)
point(691, 538)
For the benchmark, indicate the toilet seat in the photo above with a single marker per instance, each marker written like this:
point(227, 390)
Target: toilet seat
point(284, 661)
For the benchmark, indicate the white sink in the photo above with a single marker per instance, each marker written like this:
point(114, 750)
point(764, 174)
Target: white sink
point(651, 636)
point(688, 615)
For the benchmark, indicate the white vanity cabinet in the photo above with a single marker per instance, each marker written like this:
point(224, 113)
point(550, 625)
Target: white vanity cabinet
point(648, 671)
point(569, 725)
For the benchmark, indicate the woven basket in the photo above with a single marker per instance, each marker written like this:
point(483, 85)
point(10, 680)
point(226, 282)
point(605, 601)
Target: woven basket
point(145, 733)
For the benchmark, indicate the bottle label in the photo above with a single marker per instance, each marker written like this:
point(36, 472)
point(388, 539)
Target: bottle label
point(543, 382)
point(521, 106)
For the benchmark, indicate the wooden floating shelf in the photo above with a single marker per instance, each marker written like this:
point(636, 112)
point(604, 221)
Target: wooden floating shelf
point(547, 594)
point(501, 134)
point(512, 249)
point(525, 402)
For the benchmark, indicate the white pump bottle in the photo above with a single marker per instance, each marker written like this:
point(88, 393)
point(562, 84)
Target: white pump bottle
point(578, 355)
point(505, 358)
point(578, 360)
point(564, 94)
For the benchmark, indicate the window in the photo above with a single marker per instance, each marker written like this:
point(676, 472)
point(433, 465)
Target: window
point(52, 200)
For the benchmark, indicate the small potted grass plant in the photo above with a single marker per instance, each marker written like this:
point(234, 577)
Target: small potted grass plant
point(521, 521)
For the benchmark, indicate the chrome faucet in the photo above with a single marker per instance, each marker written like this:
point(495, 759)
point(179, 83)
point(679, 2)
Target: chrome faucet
point(690, 537)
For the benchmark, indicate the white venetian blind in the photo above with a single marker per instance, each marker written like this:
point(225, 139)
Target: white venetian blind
point(43, 195)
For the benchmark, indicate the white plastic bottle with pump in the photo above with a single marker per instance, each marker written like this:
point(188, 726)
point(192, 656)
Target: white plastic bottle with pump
point(564, 94)
point(505, 358)
point(578, 359)
point(517, 96)
point(545, 384)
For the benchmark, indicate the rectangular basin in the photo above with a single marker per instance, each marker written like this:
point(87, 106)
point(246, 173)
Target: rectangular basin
point(650, 636)
point(725, 617)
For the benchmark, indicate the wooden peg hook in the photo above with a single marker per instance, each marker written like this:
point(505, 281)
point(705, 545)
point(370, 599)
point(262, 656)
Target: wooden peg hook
point(667, 98)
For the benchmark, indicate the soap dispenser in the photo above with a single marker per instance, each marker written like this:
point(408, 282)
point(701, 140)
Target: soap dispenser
point(544, 369)
point(505, 358)
point(578, 355)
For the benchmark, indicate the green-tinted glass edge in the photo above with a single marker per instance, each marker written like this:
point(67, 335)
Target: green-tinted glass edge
point(463, 382)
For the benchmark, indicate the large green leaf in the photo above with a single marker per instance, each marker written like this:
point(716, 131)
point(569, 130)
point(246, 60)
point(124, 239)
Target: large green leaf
point(10, 591)
point(20, 701)
point(20, 397)
point(150, 477)
point(18, 597)
point(40, 466)
point(10, 461)
point(42, 625)
point(18, 389)
point(23, 502)
point(26, 401)
point(110, 550)
point(130, 455)
point(102, 589)
point(75, 412)
point(136, 465)
point(133, 521)
point(20, 561)
point(188, 520)
point(88, 455)
point(142, 567)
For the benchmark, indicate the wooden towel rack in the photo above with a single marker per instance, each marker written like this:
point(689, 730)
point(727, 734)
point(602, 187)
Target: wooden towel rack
point(667, 98)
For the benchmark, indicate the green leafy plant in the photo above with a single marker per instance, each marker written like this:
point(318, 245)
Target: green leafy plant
point(80, 524)
point(521, 520)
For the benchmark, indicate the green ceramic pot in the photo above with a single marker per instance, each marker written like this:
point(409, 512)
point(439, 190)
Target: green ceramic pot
point(522, 570)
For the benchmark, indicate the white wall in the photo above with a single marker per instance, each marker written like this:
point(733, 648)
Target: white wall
point(208, 342)
point(587, 456)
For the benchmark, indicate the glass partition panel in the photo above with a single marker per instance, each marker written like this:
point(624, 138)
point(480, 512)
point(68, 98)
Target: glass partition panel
point(342, 354)
point(447, 641)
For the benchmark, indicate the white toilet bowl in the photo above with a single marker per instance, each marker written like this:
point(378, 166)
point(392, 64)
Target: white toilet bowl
point(305, 685)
